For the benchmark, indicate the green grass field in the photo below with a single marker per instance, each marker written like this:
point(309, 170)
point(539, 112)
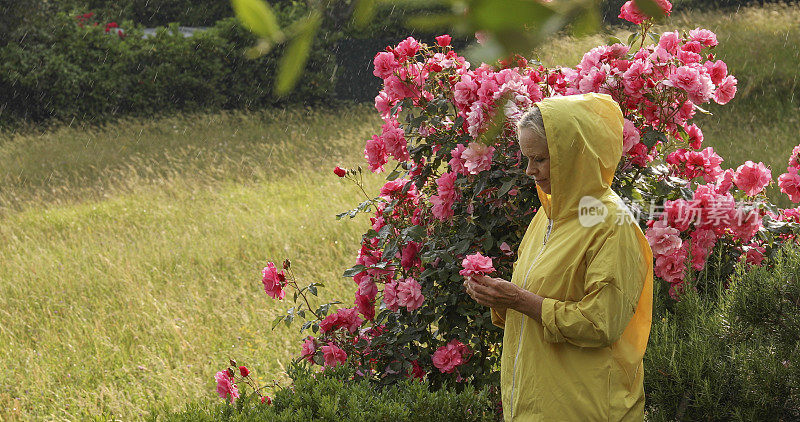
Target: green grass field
point(130, 255)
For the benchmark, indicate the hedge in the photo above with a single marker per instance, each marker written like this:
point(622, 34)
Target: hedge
point(63, 71)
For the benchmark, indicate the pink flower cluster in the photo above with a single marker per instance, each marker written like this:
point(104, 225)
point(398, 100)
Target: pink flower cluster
point(448, 358)
point(345, 318)
point(657, 86)
point(407, 293)
point(789, 182)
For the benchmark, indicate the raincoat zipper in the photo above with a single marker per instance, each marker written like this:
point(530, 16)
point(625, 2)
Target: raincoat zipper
point(522, 328)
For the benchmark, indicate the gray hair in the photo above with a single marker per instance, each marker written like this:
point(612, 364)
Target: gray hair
point(532, 119)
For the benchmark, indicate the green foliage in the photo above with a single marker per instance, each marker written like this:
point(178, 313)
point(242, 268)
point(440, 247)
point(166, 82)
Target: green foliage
point(63, 72)
point(736, 358)
point(335, 395)
point(156, 13)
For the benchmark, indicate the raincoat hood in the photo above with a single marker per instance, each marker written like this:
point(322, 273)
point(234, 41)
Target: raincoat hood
point(584, 139)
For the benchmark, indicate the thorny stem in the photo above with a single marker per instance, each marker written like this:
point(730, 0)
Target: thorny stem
point(294, 283)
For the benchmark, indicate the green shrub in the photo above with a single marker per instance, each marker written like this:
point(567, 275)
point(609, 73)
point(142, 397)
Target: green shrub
point(333, 395)
point(63, 72)
point(735, 359)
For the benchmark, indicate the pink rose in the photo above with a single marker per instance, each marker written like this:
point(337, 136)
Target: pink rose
point(390, 296)
point(695, 136)
point(671, 267)
point(333, 355)
point(477, 157)
point(754, 254)
point(669, 41)
point(225, 386)
point(409, 256)
point(790, 185)
point(443, 40)
point(752, 178)
point(663, 239)
point(717, 70)
point(407, 48)
point(631, 13)
point(308, 350)
point(448, 358)
point(365, 306)
point(456, 162)
point(383, 104)
point(273, 281)
point(476, 264)
point(726, 90)
point(409, 294)
point(375, 153)
point(395, 141)
point(703, 36)
point(442, 207)
point(385, 65)
point(630, 136)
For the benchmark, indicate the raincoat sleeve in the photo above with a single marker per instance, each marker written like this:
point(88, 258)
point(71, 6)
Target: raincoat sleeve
point(498, 319)
point(615, 276)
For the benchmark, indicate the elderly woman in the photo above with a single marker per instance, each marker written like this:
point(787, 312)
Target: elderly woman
point(577, 310)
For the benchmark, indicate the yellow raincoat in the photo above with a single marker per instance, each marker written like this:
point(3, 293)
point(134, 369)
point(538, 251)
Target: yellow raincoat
point(591, 262)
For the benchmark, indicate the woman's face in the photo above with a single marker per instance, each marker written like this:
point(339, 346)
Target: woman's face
point(535, 149)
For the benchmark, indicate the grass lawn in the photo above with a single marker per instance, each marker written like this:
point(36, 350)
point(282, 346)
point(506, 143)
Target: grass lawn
point(130, 254)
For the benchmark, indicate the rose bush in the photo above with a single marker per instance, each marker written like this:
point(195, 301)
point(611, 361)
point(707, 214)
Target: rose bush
point(457, 198)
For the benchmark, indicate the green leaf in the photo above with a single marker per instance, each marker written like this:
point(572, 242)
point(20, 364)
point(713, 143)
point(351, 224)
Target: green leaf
point(294, 59)
point(258, 17)
point(313, 289)
point(363, 13)
point(614, 40)
point(352, 271)
point(587, 22)
point(503, 15)
point(277, 321)
point(649, 8)
point(632, 39)
point(507, 185)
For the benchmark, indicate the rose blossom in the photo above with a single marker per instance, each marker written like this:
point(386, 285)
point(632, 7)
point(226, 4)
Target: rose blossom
point(443, 40)
point(447, 358)
point(385, 65)
point(630, 136)
point(409, 294)
point(225, 386)
point(752, 178)
point(272, 281)
point(477, 157)
point(663, 239)
point(308, 350)
point(390, 296)
point(790, 185)
point(726, 90)
point(333, 355)
point(476, 264)
point(375, 153)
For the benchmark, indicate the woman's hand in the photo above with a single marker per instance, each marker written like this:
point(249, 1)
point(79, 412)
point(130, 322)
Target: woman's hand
point(493, 292)
point(501, 294)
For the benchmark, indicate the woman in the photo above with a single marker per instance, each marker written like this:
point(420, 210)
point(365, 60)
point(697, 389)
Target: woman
point(577, 310)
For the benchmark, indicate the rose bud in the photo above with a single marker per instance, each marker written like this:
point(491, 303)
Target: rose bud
point(286, 264)
point(244, 371)
point(230, 372)
point(339, 171)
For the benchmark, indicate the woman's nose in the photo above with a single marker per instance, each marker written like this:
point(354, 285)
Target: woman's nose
point(531, 170)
